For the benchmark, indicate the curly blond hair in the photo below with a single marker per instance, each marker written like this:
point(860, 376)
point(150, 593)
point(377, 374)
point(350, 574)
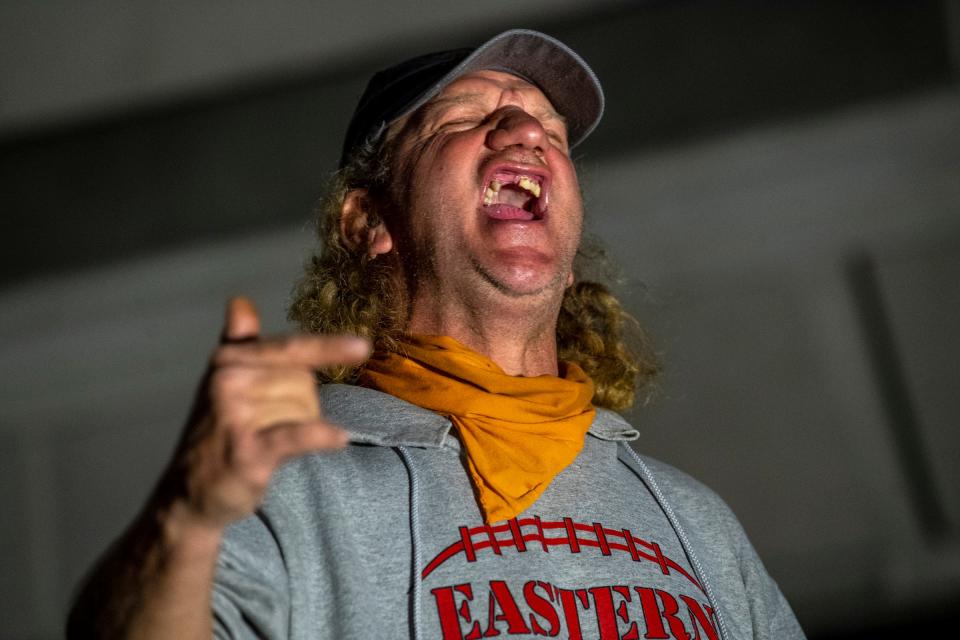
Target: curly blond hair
point(344, 291)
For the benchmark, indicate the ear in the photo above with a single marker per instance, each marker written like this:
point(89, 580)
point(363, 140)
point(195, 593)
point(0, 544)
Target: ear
point(569, 280)
point(356, 212)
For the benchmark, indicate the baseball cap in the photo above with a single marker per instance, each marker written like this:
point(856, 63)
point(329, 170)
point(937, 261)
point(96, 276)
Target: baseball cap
point(556, 69)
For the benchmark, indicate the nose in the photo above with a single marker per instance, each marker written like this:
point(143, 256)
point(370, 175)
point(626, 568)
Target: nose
point(516, 127)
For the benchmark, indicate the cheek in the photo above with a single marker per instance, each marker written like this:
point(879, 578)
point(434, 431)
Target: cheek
point(565, 174)
point(571, 173)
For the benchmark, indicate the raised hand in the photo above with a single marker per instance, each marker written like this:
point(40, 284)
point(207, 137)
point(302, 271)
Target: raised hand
point(256, 408)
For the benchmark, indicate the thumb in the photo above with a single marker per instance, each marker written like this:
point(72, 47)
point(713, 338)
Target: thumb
point(242, 321)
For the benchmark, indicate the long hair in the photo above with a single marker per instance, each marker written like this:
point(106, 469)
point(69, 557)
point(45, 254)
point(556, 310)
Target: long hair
point(344, 291)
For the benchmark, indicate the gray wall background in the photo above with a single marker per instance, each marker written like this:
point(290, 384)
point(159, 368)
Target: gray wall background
point(779, 184)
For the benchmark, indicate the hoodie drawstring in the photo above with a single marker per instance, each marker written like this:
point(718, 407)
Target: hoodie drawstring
point(643, 471)
point(415, 540)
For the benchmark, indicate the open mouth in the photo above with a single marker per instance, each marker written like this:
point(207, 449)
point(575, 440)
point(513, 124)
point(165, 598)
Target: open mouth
point(515, 195)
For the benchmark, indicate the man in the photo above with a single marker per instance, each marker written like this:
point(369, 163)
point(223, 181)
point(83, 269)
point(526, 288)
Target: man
point(482, 492)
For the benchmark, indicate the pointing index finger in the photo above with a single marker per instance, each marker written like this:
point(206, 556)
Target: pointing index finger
point(300, 350)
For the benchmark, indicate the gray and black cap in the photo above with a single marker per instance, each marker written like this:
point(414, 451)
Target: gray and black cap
point(556, 69)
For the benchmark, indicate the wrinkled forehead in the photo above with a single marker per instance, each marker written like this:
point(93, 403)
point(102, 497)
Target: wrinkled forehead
point(488, 87)
point(494, 82)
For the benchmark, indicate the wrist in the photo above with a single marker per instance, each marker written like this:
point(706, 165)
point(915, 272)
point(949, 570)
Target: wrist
point(188, 536)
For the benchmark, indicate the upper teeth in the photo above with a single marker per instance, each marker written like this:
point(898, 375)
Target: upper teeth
point(524, 182)
point(533, 187)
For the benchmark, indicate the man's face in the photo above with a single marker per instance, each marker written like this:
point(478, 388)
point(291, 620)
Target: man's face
point(487, 194)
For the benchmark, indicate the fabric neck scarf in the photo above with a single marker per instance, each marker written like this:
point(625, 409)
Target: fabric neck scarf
point(518, 433)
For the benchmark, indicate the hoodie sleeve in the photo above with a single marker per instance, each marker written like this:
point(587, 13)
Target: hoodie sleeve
point(747, 592)
point(250, 592)
point(770, 612)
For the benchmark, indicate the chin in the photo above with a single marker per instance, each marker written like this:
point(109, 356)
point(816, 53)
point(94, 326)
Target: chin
point(518, 282)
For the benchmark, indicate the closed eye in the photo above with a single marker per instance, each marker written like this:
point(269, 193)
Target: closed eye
point(557, 139)
point(462, 122)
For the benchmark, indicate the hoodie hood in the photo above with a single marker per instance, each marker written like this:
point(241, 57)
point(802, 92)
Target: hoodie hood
point(359, 411)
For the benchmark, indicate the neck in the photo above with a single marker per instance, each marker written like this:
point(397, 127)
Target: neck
point(518, 334)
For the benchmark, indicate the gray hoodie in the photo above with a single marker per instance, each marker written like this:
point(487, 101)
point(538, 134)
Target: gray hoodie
point(385, 540)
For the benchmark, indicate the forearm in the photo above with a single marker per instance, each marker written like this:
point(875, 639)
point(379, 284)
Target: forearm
point(256, 407)
point(155, 582)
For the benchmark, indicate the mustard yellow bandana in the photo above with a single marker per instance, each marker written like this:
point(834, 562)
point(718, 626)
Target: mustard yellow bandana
point(518, 433)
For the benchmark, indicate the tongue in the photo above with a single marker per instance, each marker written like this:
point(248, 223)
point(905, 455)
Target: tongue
point(507, 212)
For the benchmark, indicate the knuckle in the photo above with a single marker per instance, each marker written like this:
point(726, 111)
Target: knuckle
point(222, 355)
point(230, 381)
point(242, 453)
point(309, 404)
point(236, 417)
point(288, 346)
point(258, 475)
point(223, 378)
point(306, 385)
point(295, 438)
